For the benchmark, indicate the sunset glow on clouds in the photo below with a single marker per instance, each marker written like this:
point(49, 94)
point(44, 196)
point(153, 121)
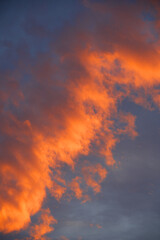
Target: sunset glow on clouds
point(61, 101)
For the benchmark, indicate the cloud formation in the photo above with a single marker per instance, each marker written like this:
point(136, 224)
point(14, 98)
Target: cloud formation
point(66, 102)
point(37, 232)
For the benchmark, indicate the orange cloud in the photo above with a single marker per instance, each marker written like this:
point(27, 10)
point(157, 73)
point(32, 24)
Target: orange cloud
point(63, 238)
point(69, 106)
point(98, 226)
point(95, 225)
point(75, 187)
point(37, 232)
point(94, 175)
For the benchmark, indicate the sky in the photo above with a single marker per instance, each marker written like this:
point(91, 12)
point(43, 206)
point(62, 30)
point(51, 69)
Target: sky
point(79, 120)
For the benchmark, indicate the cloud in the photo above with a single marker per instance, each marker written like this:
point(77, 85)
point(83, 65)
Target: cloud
point(38, 231)
point(90, 172)
point(95, 225)
point(69, 105)
point(63, 238)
